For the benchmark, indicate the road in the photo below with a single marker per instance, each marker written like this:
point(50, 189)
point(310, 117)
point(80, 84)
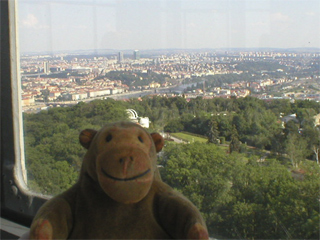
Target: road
point(177, 140)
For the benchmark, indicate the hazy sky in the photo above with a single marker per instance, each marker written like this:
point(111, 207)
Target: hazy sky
point(51, 25)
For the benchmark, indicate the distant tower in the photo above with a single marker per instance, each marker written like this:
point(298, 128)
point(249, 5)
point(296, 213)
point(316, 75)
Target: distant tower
point(46, 68)
point(120, 57)
point(136, 55)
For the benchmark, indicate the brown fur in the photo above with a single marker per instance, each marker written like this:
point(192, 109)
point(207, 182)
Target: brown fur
point(119, 194)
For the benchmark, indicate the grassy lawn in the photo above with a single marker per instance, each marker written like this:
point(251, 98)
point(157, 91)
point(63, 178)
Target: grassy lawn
point(250, 151)
point(189, 138)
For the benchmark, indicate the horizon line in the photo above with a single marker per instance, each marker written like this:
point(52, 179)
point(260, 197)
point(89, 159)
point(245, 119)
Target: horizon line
point(112, 51)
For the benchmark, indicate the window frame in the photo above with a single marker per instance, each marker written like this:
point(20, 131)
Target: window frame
point(18, 204)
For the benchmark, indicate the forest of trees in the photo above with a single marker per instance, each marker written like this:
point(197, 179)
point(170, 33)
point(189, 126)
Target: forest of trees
point(251, 71)
point(241, 198)
point(264, 185)
point(135, 79)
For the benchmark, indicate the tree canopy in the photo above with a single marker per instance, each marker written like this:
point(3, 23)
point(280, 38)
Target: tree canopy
point(241, 194)
point(241, 198)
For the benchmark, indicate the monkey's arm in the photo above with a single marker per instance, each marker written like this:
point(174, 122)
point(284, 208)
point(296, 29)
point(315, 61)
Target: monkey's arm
point(53, 220)
point(178, 216)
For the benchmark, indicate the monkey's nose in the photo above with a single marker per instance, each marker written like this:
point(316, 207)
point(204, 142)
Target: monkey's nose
point(125, 159)
point(125, 162)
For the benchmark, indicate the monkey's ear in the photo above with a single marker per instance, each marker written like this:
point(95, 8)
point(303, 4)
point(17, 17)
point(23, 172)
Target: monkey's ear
point(158, 141)
point(86, 137)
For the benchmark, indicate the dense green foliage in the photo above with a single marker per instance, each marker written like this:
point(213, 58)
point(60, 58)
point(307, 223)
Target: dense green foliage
point(257, 123)
point(220, 80)
point(250, 72)
point(242, 195)
point(136, 78)
point(242, 198)
point(53, 151)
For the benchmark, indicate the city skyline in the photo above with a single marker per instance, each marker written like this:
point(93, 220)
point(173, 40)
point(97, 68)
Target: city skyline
point(51, 26)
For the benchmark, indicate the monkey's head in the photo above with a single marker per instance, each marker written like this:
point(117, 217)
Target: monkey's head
point(122, 159)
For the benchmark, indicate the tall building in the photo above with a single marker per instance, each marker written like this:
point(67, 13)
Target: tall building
point(120, 57)
point(46, 68)
point(136, 55)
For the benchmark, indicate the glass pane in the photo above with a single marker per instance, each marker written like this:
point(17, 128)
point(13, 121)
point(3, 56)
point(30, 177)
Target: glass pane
point(233, 87)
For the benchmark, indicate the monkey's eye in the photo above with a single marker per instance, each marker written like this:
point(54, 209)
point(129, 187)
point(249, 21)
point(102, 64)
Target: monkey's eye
point(140, 139)
point(108, 138)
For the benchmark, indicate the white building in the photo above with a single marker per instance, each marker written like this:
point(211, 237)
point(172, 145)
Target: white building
point(133, 116)
point(144, 122)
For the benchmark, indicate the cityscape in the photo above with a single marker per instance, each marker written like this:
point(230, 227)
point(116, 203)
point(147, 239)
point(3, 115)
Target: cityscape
point(67, 78)
point(232, 86)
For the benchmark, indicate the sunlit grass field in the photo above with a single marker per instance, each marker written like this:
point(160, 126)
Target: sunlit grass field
point(190, 138)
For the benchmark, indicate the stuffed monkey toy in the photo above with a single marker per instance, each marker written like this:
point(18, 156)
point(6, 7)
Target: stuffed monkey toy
point(119, 194)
